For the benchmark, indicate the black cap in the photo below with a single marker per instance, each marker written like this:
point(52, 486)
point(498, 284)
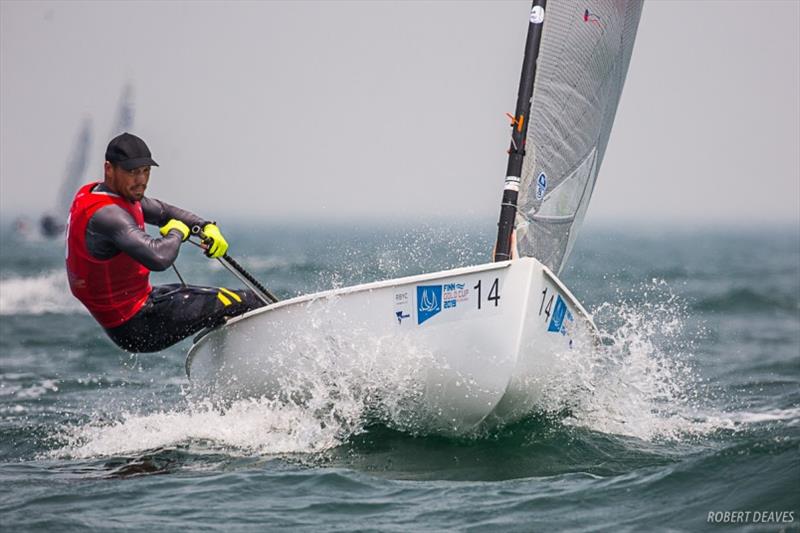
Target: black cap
point(129, 151)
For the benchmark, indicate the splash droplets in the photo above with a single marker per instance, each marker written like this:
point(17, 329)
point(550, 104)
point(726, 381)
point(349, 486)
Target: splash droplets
point(640, 382)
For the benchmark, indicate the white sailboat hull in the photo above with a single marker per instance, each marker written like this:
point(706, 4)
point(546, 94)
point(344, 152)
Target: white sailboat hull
point(472, 343)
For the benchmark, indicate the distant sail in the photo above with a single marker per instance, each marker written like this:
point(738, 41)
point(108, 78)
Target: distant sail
point(583, 60)
point(124, 119)
point(75, 173)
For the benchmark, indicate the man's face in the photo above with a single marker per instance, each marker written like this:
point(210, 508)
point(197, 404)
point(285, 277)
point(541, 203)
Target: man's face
point(130, 184)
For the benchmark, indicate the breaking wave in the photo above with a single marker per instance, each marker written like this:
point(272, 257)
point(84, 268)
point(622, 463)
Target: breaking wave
point(36, 295)
point(247, 427)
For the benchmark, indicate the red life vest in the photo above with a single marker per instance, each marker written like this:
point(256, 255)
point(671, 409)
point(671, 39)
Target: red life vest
point(113, 290)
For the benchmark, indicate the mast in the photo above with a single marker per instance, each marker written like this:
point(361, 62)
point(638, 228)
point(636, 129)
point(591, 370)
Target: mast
point(516, 153)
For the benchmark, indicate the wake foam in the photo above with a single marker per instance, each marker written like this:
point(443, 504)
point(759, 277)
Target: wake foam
point(346, 384)
point(247, 427)
point(47, 293)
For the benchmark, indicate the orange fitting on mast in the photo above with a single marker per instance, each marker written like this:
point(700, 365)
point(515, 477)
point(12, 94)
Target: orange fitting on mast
point(518, 122)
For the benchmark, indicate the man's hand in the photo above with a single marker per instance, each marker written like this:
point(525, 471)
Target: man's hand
point(218, 245)
point(174, 223)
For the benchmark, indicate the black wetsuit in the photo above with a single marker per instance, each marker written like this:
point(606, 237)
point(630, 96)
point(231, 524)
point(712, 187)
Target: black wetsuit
point(172, 312)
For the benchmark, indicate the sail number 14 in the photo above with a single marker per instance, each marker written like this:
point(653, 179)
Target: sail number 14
point(549, 306)
point(494, 293)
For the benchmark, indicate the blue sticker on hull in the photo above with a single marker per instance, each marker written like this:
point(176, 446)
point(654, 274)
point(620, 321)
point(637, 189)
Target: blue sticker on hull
point(429, 301)
point(560, 314)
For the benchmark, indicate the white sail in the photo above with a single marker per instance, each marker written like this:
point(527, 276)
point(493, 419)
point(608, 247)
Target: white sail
point(75, 173)
point(583, 60)
point(123, 121)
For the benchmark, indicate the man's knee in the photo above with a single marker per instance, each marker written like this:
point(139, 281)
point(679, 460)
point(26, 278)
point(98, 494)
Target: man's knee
point(239, 301)
point(251, 300)
point(228, 298)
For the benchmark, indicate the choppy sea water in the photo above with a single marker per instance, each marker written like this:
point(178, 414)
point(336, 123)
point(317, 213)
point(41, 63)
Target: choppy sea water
point(690, 411)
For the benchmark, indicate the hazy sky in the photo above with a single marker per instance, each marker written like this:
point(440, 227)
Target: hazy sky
point(344, 109)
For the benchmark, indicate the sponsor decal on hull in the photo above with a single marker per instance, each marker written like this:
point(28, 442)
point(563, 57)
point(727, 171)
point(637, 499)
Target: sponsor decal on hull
point(429, 302)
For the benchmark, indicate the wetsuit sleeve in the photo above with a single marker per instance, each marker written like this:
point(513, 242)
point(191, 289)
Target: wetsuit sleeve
point(159, 213)
point(112, 230)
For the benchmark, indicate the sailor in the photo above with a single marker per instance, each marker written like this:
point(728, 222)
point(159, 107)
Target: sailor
point(110, 257)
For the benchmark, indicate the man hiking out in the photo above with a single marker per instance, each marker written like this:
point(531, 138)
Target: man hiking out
point(110, 256)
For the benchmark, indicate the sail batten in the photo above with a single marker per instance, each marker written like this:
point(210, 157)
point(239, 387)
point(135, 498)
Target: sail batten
point(583, 60)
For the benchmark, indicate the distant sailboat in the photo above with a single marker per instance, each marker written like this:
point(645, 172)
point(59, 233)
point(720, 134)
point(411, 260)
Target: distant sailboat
point(52, 223)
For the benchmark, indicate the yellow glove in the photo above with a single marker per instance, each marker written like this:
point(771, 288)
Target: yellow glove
point(174, 223)
point(218, 245)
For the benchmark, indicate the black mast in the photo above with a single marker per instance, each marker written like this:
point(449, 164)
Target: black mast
point(516, 153)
